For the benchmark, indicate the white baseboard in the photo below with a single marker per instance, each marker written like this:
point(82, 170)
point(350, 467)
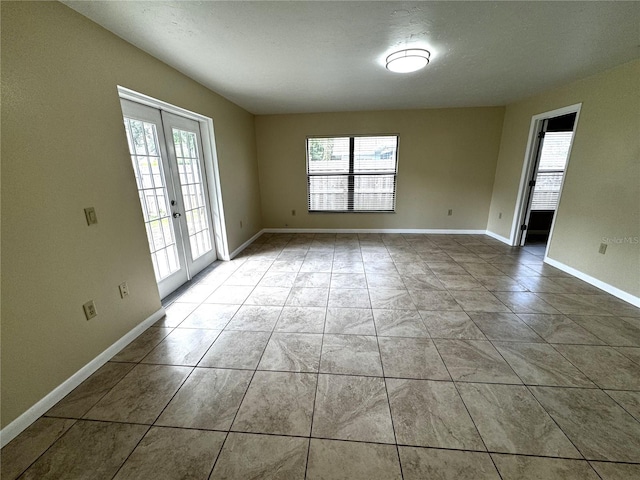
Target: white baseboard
point(498, 237)
point(16, 427)
point(237, 251)
point(616, 292)
point(375, 230)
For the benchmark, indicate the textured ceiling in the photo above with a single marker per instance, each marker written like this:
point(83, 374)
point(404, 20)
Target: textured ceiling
point(290, 57)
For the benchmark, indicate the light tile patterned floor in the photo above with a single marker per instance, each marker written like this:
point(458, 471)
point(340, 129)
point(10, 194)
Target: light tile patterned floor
point(361, 357)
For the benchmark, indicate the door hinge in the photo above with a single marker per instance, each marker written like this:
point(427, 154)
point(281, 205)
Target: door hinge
point(532, 183)
point(541, 134)
point(523, 227)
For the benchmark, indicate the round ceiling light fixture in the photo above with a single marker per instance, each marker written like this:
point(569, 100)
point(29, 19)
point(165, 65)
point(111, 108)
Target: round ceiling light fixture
point(409, 60)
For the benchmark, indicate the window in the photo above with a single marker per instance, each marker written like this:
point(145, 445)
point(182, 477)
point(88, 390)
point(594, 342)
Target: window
point(553, 161)
point(352, 174)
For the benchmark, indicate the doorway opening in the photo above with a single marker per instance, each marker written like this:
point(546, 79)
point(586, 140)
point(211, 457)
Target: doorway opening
point(544, 172)
point(181, 209)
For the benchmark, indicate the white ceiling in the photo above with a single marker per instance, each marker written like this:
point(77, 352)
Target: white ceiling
point(291, 57)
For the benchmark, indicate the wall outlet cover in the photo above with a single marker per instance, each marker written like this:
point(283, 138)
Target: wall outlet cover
point(90, 215)
point(90, 310)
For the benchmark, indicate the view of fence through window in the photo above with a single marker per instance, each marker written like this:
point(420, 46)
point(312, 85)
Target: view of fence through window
point(352, 174)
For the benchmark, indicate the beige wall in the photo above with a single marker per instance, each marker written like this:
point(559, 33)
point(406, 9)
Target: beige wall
point(601, 193)
point(64, 149)
point(447, 160)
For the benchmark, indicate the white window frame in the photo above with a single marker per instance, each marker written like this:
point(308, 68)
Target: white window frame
point(351, 173)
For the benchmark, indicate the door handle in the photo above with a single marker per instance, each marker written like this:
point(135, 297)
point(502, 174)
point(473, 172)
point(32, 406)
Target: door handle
point(177, 215)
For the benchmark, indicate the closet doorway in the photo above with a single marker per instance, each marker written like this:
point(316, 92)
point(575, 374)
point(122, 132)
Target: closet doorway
point(549, 151)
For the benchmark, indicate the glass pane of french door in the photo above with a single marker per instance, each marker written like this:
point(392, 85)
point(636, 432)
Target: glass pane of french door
point(152, 190)
point(187, 156)
point(187, 166)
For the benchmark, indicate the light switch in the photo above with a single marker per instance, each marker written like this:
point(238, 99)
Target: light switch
point(90, 214)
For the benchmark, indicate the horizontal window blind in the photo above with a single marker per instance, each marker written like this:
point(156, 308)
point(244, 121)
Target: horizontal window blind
point(547, 191)
point(352, 174)
point(553, 161)
point(555, 151)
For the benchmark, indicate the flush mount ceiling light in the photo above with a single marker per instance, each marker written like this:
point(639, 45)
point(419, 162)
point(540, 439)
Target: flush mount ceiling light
point(409, 60)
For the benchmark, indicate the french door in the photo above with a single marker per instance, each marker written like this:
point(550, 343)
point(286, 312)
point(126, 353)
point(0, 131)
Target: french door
point(166, 153)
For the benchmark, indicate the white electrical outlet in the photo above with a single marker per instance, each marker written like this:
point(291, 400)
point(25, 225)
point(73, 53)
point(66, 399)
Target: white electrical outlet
point(90, 310)
point(124, 290)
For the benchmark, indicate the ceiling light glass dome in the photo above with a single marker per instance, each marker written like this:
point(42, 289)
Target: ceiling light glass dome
point(409, 60)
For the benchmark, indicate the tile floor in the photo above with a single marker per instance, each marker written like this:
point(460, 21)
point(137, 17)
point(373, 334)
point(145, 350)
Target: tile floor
point(361, 357)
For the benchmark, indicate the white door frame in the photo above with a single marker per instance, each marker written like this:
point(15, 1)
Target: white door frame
point(210, 161)
point(529, 164)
